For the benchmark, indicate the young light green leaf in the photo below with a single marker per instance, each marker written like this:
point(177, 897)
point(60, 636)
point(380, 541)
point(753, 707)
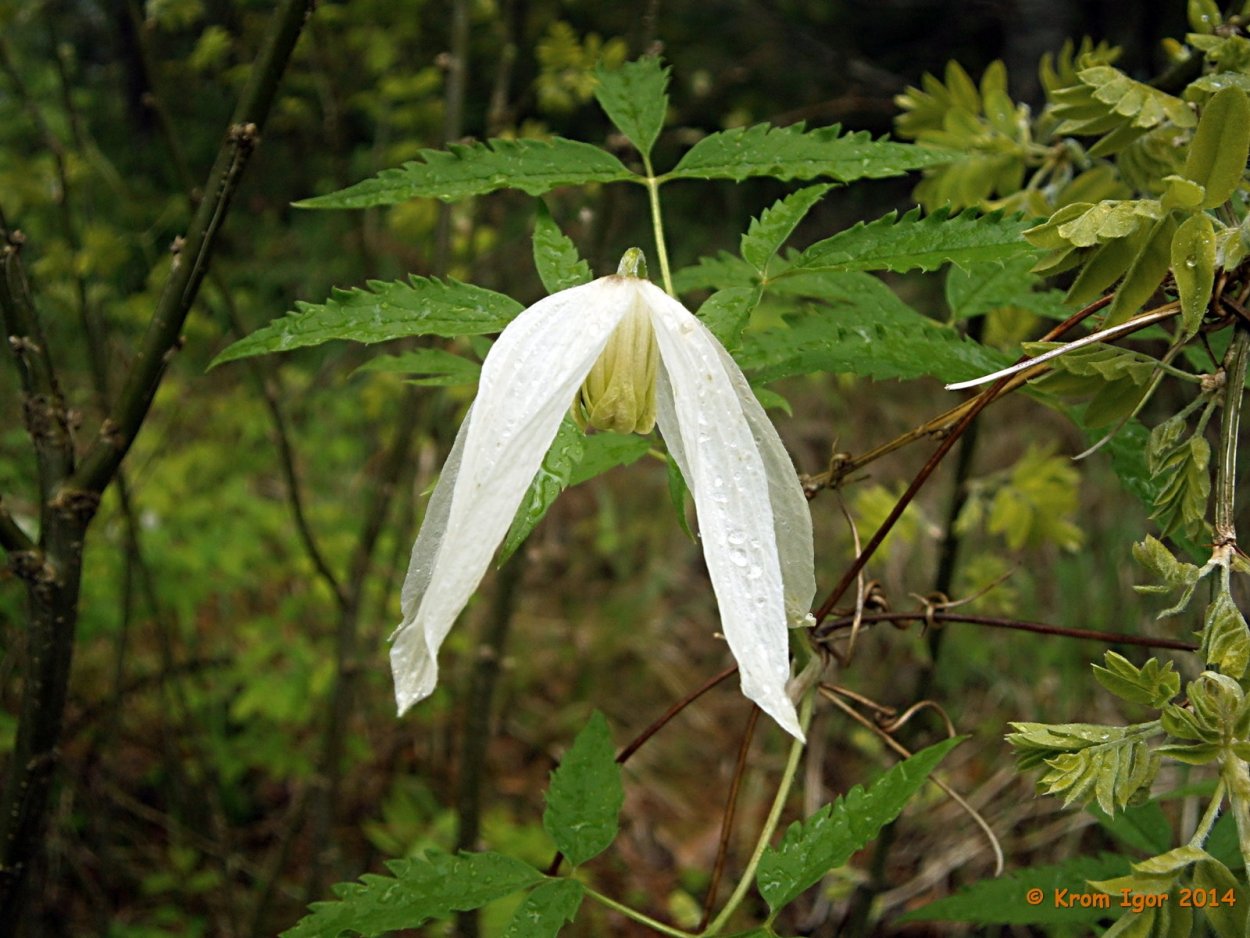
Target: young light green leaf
point(1218, 151)
point(1225, 636)
point(635, 98)
point(727, 312)
point(555, 255)
point(769, 232)
point(1193, 268)
point(795, 153)
point(552, 478)
point(862, 327)
point(416, 891)
point(379, 313)
point(585, 797)
point(1085, 761)
point(426, 366)
point(1152, 684)
point(828, 838)
point(912, 242)
point(1146, 272)
point(533, 166)
point(1173, 576)
point(1003, 901)
point(1213, 878)
point(1184, 484)
point(546, 909)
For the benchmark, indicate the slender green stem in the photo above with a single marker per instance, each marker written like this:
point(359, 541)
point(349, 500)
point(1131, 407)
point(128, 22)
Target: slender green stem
point(636, 915)
point(1226, 471)
point(1203, 831)
point(770, 824)
point(1235, 774)
point(657, 224)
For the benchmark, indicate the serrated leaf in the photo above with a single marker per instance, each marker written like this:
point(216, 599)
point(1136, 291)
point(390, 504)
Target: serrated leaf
point(1153, 684)
point(715, 273)
point(978, 289)
point(383, 311)
point(555, 255)
point(426, 366)
point(552, 478)
point(1218, 151)
point(546, 909)
point(912, 242)
point(828, 838)
point(585, 797)
point(863, 328)
point(416, 891)
point(1193, 268)
point(1002, 901)
point(635, 98)
point(769, 232)
point(795, 153)
point(533, 166)
point(727, 312)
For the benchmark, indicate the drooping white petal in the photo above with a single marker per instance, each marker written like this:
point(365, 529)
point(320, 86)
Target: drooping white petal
point(792, 516)
point(701, 416)
point(528, 381)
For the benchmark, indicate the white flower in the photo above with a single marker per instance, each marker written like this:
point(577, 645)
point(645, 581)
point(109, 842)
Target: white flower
point(603, 337)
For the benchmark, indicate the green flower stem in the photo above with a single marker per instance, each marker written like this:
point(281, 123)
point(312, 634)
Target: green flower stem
point(1235, 774)
point(1226, 470)
point(1209, 817)
point(657, 224)
point(636, 915)
point(770, 824)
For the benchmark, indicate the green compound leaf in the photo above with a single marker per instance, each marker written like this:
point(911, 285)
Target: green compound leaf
point(1218, 151)
point(828, 838)
point(1171, 575)
point(533, 166)
point(1146, 272)
point(1179, 469)
point(912, 242)
point(863, 328)
point(1152, 684)
point(795, 153)
point(1193, 268)
point(1085, 761)
point(416, 891)
point(426, 366)
point(585, 797)
point(546, 909)
point(555, 255)
point(635, 98)
point(383, 311)
point(1007, 900)
point(769, 232)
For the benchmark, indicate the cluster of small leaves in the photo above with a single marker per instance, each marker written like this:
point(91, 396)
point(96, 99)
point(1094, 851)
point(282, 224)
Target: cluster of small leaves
point(1008, 157)
point(582, 818)
point(1034, 502)
point(1180, 464)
